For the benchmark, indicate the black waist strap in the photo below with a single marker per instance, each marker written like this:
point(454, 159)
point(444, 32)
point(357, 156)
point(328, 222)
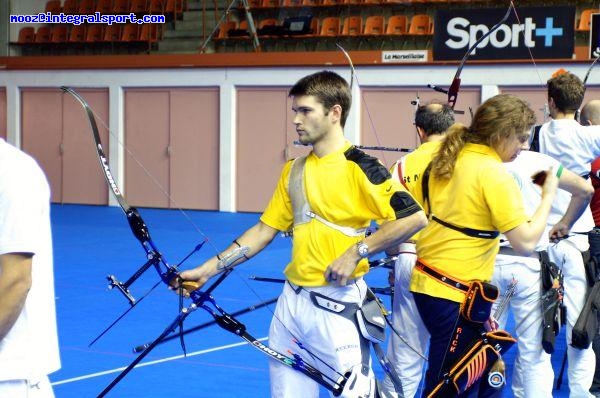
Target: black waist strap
point(440, 277)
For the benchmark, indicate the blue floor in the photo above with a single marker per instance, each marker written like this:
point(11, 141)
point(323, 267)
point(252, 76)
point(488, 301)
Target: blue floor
point(92, 242)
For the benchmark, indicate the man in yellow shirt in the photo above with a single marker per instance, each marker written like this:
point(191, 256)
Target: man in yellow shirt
point(327, 199)
point(408, 340)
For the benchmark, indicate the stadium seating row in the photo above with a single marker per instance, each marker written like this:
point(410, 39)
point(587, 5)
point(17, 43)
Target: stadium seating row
point(139, 7)
point(255, 4)
point(61, 34)
point(374, 24)
point(420, 24)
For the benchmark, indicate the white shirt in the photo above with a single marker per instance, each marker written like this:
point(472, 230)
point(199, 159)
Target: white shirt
point(522, 168)
point(575, 146)
point(30, 349)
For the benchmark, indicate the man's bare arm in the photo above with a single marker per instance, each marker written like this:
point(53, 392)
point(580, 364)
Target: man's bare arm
point(15, 282)
point(581, 193)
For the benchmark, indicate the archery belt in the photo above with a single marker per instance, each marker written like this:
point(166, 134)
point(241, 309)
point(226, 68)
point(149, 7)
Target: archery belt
point(369, 319)
point(346, 309)
point(441, 276)
point(478, 361)
point(479, 295)
point(553, 309)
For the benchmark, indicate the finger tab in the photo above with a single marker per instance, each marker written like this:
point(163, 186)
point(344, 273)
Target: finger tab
point(190, 286)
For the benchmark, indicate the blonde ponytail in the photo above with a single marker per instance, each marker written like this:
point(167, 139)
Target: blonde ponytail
point(443, 163)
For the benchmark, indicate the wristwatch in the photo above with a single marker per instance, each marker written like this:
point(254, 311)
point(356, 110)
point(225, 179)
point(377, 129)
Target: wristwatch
point(363, 249)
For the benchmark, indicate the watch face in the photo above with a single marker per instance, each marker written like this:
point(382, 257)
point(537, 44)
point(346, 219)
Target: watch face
point(363, 250)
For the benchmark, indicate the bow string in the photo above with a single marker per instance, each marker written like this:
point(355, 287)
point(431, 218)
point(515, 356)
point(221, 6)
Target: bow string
point(353, 78)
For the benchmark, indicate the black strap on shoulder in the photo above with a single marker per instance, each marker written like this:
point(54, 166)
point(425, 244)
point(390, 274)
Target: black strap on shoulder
point(535, 139)
point(472, 232)
point(425, 187)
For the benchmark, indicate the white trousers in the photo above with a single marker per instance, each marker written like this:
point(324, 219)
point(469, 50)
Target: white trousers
point(39, 388)
point(406, 350)
point(331, 338)
point(581, 363)
point(532, 373)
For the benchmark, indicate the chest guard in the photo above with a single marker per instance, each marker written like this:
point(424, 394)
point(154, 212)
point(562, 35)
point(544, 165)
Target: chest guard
point(301, 208)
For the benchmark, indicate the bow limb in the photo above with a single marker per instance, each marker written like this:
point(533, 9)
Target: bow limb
point(587, 74)
point(353, 77)
point(135, 220)
point(204, 300)
point(100, 152)
point(455, 86)
point(138, 227)
point(349, 59)
point(585, 79)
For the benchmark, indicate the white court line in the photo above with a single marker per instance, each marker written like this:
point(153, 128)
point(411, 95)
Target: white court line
point(106, 372)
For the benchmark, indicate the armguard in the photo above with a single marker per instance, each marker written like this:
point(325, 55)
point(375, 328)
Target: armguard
point(475, 364)
point(553, 310)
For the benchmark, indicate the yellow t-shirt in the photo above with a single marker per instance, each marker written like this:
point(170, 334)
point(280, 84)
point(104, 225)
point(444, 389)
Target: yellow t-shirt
point(347, 188)
point(482, 195)
point(408, 170)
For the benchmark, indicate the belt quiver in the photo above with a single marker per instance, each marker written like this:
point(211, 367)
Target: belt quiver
point(474, 364)
point(590, 264)
point(553, 309)
point(478, 301)
point(586, 326)
point(591, 258)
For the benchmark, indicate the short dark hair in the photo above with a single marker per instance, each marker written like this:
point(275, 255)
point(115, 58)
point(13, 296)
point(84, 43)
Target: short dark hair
point(328, 88)
point(434, 118)
point(567, 91)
